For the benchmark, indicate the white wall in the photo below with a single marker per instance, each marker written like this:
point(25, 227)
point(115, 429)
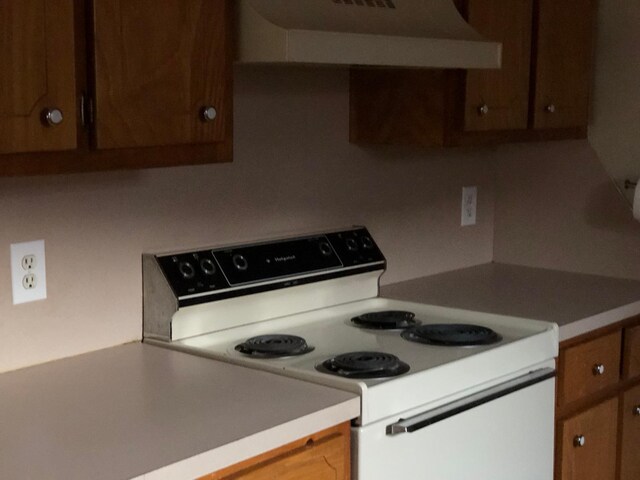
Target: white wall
point(294, 170)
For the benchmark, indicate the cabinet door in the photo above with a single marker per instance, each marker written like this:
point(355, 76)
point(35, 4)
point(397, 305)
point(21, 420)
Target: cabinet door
point(630, 438)
point(323, 456)
point(499, 99)
point(563, 36)
point(158, 66)
point(588, 449)
point(37, 76)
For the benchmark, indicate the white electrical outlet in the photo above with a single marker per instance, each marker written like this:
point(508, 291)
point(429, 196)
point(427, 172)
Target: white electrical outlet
point(28, 272)
point(469, 204)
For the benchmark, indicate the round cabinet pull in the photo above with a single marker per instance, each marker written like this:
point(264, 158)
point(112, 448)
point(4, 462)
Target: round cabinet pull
point(551, 108)
point(636, 410)
point(208, 113)
point(598, 369)
point(483, 109)
point(579, 441)
point(52, 116)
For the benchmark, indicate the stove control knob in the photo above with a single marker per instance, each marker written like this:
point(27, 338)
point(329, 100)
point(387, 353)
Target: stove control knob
point(207, 266)
point(579, 441)
point(366, 242)
point(187, 270)
point(351, 244)
point(240, 262)
point(598, 369)
point(325, 248)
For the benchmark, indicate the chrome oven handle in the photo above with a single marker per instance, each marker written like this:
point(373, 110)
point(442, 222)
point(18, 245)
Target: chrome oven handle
point(438, 414)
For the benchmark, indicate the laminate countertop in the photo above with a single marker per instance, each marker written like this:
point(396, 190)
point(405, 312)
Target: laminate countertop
point(147, 412)
point(578, 303)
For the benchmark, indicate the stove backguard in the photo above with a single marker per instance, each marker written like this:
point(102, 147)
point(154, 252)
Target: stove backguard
point(181, 287)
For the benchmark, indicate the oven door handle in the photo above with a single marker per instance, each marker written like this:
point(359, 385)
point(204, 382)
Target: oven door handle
point(438, 414)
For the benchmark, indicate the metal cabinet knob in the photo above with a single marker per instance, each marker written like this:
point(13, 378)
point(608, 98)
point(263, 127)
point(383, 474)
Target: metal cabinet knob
point(208, 113)
point(579, 441)
point(551, 108)
point(52, 116)
point(636, 410)
point(483, 109)
point(598, 369)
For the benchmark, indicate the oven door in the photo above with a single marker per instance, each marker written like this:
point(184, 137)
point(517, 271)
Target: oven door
point(502, 433)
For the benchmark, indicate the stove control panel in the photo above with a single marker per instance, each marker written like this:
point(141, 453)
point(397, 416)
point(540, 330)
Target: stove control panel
point(242, 269)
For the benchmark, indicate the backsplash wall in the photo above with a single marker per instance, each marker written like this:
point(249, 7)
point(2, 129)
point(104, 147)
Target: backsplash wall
point(294, 171)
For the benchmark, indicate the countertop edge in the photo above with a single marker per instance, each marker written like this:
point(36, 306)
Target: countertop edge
point(589, 324)
point(253, 445)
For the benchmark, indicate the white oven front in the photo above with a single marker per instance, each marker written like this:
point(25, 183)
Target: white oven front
point(501, 433)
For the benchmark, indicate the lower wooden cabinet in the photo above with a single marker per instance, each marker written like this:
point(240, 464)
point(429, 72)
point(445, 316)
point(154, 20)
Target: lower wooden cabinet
point(630, 437)
point(598, 405)
point(322, 456)
point(588, 443)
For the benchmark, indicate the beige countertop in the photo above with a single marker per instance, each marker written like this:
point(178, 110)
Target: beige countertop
point(577, 303)
point(126, 411)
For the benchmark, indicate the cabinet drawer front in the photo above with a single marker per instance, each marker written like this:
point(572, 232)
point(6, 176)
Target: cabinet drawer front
point(594, 456)
point(631, 358)
point(589, 367)
point(630, 461)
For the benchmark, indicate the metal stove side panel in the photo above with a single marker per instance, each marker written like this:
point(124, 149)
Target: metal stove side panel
point(159, 301)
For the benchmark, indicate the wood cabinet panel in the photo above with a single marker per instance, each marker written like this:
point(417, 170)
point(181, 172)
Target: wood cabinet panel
point(579, 375)
point(157, 65)
point(596, 458)
point(38, 58)
point(395, 106)
point(562, 59)
point(322, 456)
point(631, 354)
point(504, 91)
point(630, 437)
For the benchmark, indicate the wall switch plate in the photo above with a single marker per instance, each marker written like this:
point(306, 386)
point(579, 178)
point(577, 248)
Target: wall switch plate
point(469, 204)
point(28, 272)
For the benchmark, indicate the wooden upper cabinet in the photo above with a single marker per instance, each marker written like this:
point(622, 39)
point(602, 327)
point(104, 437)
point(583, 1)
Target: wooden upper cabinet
point(37, 76)
point(563, 53)
point(499, 99)
point(158, 67)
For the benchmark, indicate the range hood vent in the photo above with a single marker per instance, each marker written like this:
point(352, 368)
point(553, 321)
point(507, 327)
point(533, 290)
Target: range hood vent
point(403, 33)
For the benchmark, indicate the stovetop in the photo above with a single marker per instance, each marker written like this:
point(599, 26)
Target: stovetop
point(310, 289)
point(330, 332)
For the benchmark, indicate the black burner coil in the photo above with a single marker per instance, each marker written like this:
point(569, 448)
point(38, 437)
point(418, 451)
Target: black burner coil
point(452, 335)
point(274, 346)
point(385, 320)
point(364, 365)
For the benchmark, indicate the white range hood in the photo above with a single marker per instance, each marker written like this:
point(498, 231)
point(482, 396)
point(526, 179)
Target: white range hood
point(404, 33)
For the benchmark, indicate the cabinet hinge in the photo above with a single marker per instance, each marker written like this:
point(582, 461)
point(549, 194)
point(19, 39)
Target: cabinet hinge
point(86, 110)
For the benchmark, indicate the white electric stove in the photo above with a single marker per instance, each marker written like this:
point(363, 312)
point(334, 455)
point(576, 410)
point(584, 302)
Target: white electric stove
point(445, 393)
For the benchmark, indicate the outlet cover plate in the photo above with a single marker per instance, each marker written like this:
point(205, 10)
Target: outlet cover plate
point(469, 205)
point(32, 290)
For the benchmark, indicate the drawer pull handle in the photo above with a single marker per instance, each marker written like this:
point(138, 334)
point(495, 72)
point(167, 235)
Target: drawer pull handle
point(208, 113)
point(578, 441)
point(636, 411)
point(598, 369)
point(52, 116)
